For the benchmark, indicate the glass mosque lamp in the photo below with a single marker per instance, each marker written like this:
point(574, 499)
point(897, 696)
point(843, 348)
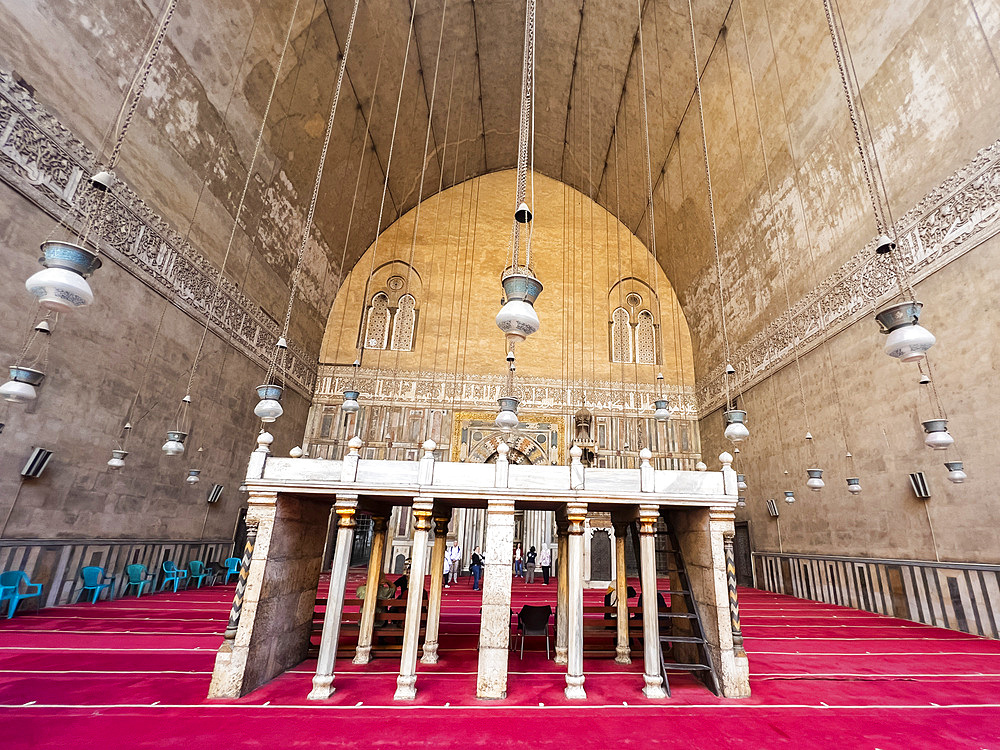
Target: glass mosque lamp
point(117, 459)
point(906, 340)
point(662, 411)
point(789, 497)
point(62, 285)
point(854, 485)
point(815, 481)
point(956, 472)
point(192, 477)
point(351, 405)
point(268, 409)
point(25, 378)
point(507, 417)
point(938, 436)
point(741, 482)
point(736, 429)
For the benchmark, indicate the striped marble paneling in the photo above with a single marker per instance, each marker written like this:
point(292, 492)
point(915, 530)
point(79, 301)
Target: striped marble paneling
point(958, 596)
point(56, 563)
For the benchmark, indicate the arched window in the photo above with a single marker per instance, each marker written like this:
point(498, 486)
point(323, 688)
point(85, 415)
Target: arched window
point(621, 336)
point(377, 329)
point(645, 339)
point(402, 324)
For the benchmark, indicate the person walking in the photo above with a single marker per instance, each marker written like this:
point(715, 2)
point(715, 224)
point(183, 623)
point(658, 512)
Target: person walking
point(545, 560)
point(476, 568)
point(518, 563)
point(529, 566)
point(455, 555)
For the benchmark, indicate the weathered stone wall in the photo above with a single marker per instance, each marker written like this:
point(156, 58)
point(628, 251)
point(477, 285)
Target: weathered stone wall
point(789, 223)
point(96, 363)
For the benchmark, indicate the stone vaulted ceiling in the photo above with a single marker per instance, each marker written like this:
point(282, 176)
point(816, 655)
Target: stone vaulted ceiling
point(587, 91)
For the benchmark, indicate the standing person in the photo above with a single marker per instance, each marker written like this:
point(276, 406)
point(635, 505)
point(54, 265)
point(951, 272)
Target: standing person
point(447, 568)
point(476, 568)
point(545, 560)
point(529, 566)
point(518, 563)
point(455, 555)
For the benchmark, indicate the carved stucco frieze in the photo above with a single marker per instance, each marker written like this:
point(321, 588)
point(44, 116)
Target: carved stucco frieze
point(953, 218)
point(44, 161)
point(388, 387)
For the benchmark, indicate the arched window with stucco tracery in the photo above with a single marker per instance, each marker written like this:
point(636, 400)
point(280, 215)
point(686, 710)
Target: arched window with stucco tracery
point(621, 336)
point(402, 324)
point(645, 339)
point(377, 327)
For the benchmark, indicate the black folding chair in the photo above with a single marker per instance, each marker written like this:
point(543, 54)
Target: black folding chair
point(534, 620)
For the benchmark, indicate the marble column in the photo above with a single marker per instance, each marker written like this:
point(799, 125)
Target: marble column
point(576, 514)
point(562, 588)
point(650, 617)
point(407, 680)
point(344, 507)
point(622, 651)
point(362, 654)
point(494, 626)
point(430, 655)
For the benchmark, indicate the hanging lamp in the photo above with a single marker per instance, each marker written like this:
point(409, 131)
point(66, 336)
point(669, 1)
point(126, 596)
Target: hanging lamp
point(192, 477)
point(736, 429)
point(789, 497)
point(507, 418)
point(815, 481)
point(517, 318)
point(62, 285)
point(351, 405)
point(176, 437)
point(118, 454)
point(956, 472)
point(906, 340)
point(854, 485)
point(662, 411)
point(28, 371)
point(938, 436)
point(741, 482)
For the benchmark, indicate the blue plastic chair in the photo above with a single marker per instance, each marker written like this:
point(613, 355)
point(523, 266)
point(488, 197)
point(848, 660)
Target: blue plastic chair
point(137, 577)
point(232, 567)
point(173, 573)
point(10, 589)
point(197, 571)
point(95, 580)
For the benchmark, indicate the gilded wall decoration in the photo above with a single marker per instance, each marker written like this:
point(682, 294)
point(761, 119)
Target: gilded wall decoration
point(48, 165)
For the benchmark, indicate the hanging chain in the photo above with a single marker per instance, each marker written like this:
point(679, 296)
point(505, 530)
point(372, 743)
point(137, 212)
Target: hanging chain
point(711, 198)
point(864, 141)
point(525, 135)
point(281, 352)
point(243, 196)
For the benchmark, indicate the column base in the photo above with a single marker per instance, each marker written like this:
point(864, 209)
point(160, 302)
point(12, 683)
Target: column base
point(430, 654)
point(405, 688)
point(562, 656)
point(623, 655)
point(322, 688)
point(574, 688)
point(362, 655)
point(654, 687)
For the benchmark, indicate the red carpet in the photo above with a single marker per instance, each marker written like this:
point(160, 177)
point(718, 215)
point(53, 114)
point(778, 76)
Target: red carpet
point(134, 673)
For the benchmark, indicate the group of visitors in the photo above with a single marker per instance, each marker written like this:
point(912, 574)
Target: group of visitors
point(453, 565)
point(525, 564)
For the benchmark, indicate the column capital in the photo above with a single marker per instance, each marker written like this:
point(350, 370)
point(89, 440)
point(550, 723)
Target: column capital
point(345, 507)
point(379, 523)
point(576, 513)
point(441, 525)
point(562, 525)
point(648, 515)
point(423, 509)
point(262, 498)
point(620, 521)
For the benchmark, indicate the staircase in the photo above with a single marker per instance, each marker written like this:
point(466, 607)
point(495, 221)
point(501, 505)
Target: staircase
point(682, 625)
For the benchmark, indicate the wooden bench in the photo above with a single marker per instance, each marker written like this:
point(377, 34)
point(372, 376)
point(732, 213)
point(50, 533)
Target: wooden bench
point(387, 635)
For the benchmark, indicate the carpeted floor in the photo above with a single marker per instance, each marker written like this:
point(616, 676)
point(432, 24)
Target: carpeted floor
point(134, 673)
